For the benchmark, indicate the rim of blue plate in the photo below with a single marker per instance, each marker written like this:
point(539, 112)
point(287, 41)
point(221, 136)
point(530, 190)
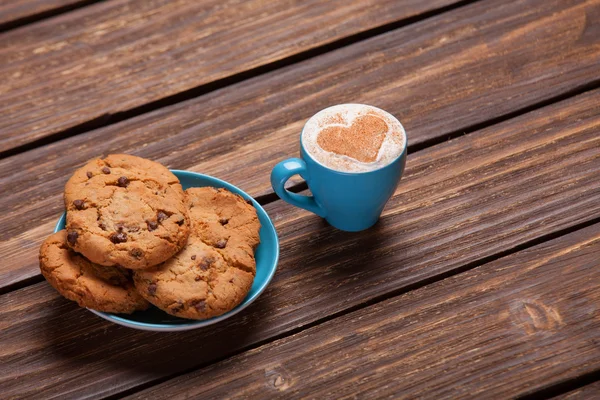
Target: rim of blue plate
point(268, 237)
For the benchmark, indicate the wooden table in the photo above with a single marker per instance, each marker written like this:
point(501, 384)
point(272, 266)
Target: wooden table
point(482, 278)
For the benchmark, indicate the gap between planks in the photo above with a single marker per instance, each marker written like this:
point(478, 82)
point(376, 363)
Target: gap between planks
point(180, 125)
point(266, 199)
point(588, 391)
point(548, 235)
point(477, 297)
point(302, 186)
point(411, 149)
point(552, 391)
point(564, 387)
point(110, 119)
point(45, 14)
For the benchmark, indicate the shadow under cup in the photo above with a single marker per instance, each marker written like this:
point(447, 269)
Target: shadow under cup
point(348, 201)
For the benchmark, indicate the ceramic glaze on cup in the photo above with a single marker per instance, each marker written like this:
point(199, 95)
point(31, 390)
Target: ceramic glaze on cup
point(349, 201)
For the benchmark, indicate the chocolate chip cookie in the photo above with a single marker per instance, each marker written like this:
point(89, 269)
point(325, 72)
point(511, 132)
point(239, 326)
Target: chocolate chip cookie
point(108, 289)
point(215, 270)
point(125, 210)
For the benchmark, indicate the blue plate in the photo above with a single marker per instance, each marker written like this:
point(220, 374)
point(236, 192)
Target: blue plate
point(267, 255)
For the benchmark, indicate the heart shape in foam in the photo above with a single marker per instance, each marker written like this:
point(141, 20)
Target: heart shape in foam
point(361, 140)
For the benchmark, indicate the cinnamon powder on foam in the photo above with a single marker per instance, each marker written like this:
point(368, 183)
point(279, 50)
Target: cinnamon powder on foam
point(361, 141)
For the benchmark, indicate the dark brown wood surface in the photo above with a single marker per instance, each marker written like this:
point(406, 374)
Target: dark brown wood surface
point(240, 132)
point(476, 50)
point(117, 55)
point(14, 13)
point(477, 335)
point(447, 214)
point(479, 281)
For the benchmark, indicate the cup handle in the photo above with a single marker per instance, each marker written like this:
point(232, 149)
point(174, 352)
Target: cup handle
point(280, 175)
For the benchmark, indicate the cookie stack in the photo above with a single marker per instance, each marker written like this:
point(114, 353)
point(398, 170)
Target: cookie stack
point(134, 237)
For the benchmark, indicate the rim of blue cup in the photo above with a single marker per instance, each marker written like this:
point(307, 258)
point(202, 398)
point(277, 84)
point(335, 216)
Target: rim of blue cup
point(267, 229)
point(391, 163)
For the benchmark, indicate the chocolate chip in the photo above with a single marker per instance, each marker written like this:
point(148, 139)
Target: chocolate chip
point(137, 253)
point(152, 289)
point(221, 244)
point(120, 237)
point(180, 220)
point(152, 225)
point(72, 237)
point(79, 204)
point(223, 221)
point(123, 181)
point(205, 263)
point(197, 278)
point(89, 174)
point(106, 170)
point(200, 305)
point(231, 280)
point(178, 307)
point(161, 216)
point(194, 257)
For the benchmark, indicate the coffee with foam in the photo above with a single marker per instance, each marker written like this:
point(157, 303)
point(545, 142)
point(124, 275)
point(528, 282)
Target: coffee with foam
point(353, 138)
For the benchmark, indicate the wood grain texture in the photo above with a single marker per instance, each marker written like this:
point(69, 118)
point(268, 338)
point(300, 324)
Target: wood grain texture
point(15, 10)
point(491, 57)
point(446, 214)
point(506, 329)
point(240, 132)
point(119, 55)
point(588, 392)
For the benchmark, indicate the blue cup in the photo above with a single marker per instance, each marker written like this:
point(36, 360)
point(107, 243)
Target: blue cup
point(349, 201)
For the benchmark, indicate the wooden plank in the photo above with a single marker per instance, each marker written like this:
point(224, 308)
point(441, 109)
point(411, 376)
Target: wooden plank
point(240, 132)
point(20, 11)
point(507, 329)
point(484, 52)
point(588, 392)
point(448, 213)
point(119, 55)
